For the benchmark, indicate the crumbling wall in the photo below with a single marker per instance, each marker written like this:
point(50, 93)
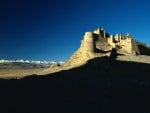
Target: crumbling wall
point(99, 43)
point(126, 45)
point(110, 41)
point(88, 42)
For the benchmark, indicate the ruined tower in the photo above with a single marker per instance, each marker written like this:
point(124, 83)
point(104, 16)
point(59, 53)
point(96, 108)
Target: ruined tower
point(99, 43)
point(101, 32)
point(88, 42)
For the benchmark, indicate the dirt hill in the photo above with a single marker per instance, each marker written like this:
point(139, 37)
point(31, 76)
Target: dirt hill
point(101, 85)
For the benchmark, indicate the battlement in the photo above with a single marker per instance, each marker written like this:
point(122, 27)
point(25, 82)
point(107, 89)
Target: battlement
point(125, 42)
point(99, 43)
point(114, 38)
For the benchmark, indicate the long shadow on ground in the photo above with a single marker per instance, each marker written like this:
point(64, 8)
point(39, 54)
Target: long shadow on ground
point(103, 85)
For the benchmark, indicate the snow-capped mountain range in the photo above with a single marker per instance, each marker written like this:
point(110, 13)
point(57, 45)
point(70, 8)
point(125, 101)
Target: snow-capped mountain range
point(29, 61)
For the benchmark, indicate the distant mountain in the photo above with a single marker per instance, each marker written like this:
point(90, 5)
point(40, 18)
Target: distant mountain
point(26, 61)
point(26, 64)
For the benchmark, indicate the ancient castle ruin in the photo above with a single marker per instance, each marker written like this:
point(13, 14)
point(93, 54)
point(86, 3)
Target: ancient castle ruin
point(118, 41)
point(99, 43)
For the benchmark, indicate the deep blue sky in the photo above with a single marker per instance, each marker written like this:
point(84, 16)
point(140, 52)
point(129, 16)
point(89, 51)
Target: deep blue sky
point(52, 29)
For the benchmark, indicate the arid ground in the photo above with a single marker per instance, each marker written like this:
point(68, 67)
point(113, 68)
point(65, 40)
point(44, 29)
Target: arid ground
point(22, 72)
point(102, 85)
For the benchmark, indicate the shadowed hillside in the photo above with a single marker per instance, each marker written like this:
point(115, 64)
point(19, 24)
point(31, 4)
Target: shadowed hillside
point(102, 85)
point(144, 50)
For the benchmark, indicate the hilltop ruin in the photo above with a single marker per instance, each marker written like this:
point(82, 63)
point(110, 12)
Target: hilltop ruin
point(99, 43)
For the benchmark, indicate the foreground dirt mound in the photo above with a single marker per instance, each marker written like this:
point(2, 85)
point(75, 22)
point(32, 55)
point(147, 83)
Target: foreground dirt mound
point(101, 85)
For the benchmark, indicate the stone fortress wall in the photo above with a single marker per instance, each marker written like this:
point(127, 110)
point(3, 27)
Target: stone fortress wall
point(124, 42)
point(99, 43)
point(88, 42)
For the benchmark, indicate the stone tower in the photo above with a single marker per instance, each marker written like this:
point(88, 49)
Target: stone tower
point(99, 43)
point(88, 42)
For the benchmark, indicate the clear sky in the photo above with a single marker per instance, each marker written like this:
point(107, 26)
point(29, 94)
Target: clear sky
point(52, 29)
